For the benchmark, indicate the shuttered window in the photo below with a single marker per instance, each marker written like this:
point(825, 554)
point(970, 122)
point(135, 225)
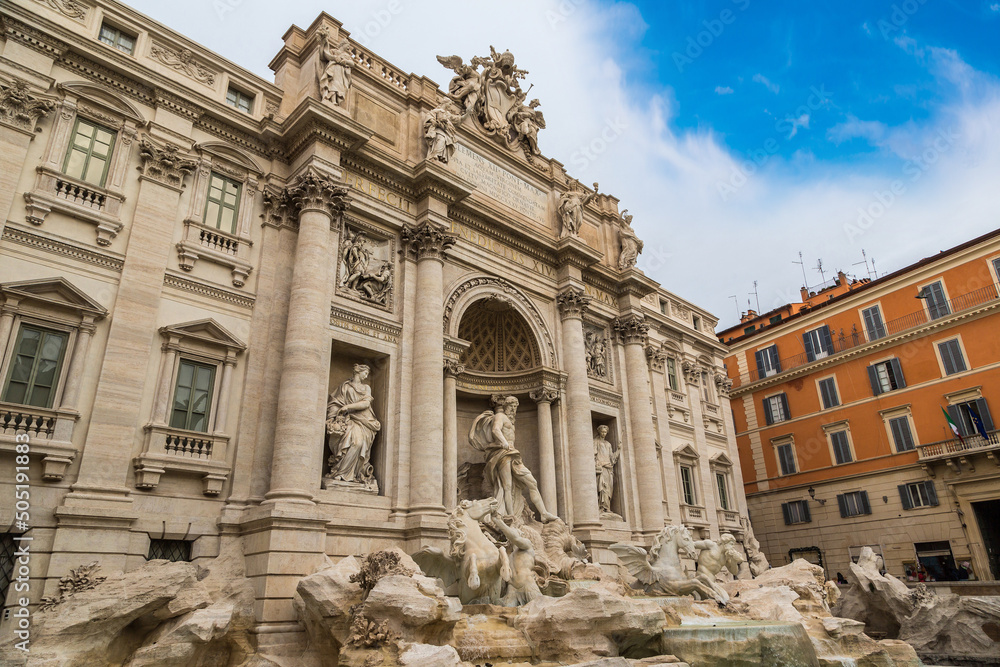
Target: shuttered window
point(854, 504)
point(786, 459)
point(768, 363)
point(902, 437)
point(796, 511)
point(687, 485)
point(963, 414)
point(223, 203)
point(937, 304)
point(776, 409)
point(918, 494)
point(828, 393)
point(818, 343)
point(723, 488)
point(951, 357)
point(886, 376)
point(672, 375)
point(874, 326)
point(192, 396)
point(841, 447)
point(89, 152)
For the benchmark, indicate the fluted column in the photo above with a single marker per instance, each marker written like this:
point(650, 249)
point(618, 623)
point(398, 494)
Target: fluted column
point(429, 242)
point(298, 433)
point(546, 447)
point(452, 369)
point(7, 321)
point(163, 389)
point(74, 377)
point(572, 304)
point(633, 330)
point(225, 386)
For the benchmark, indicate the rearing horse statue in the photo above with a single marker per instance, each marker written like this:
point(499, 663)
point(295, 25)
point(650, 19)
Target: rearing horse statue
point(660, 570)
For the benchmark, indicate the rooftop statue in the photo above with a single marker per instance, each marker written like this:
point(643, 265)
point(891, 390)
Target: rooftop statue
point(439, 131)
point(631, 244)
point(338, 63)
point(571, 205)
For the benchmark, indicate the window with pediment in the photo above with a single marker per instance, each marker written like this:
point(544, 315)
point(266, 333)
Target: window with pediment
point(502, 342)
point(220, 211)
point(85, 164)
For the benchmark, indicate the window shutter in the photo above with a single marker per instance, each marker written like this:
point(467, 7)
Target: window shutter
point(827, 339)
point(904, 495)
point(768, 417)
point(865, 507)
point(786, 511)
point(873, 378)
point(759, 355)
point(807, 341)
point(956, 416)
point(931, 493)
point(773, 351)
point(897, 372)
point(842, 503)
point(984, 414)
point(788, 414)
point(805, 510)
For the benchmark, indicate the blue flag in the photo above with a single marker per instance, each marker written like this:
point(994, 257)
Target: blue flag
point(977, 421)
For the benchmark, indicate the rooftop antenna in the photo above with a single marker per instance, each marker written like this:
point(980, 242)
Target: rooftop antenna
point(736, 299)
point(819, 267)
point(756, 296)
point(865, 262)
point(874, 270)
point(805, 280)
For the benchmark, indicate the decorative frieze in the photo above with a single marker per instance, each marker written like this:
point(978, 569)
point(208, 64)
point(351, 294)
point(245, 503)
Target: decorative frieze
point(19, 108)
point(572, 303)
point(86, 255)
point(195, 287)
point(428, 240)
point(70, 8)
point(165, 164)
point(632, 329)
point(183, 60)
point(366, 326)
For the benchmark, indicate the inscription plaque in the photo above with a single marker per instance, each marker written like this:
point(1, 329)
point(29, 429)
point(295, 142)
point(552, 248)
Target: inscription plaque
point(497, 183)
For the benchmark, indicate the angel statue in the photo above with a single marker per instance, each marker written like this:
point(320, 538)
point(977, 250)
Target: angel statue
point(338, 62)
point(526, 121)
point(571, 205)
point(660, 572)
point(439, 131)
point(351, 426)
point(631, 244)
point(466, 86)
point(493, 434)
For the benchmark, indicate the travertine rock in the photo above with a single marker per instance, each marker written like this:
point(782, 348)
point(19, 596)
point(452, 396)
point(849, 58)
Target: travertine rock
point(323, 602)
point(425, 655)
point(415, 608)
point(588, 624)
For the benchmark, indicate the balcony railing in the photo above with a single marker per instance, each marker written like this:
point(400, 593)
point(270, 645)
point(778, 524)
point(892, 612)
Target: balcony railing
point(969, 443)
point(79, 194)
point(23, 419)
point(847, 340)
point(180, 444)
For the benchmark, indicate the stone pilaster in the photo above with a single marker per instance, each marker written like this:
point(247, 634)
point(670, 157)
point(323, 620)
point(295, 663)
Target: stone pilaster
point(452, 369)
point(546, 446)
point(657, 363)
point(298, 433)
point(20, 111)
point(429, 242)
point(633, 332)
point(572, 304)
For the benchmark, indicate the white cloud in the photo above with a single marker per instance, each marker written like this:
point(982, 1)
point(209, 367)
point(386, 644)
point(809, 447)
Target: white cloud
point(723, 90)
point(763, 80)
point(698, 245)
point(995, 7)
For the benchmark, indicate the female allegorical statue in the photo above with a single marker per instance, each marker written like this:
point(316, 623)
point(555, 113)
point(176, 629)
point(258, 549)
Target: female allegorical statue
point(352, 425)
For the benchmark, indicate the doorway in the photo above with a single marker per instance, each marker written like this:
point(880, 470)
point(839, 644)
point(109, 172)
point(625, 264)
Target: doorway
point(986, 516)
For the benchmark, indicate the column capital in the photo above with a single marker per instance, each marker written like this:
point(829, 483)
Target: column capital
point(428, 240)
point(724, 384)
point(692, 372)
point(572, 303)
point(164, 163)
point(632, 329)
point(453, 368)
point(544, 395)
point(656, 357)
point(319, 191)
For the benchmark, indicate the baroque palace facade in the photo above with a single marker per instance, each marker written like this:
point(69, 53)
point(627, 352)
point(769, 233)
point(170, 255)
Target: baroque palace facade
point(844, 406)
point(233, 308)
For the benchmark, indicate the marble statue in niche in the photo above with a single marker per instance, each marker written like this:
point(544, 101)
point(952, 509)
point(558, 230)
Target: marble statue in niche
point(571, 205)
point(631, 244)
point(439, 131)
point(493, 434)
point(605, 460)
point(338, 68)
point(366, 268)
point(351, 427)
point(596, 352)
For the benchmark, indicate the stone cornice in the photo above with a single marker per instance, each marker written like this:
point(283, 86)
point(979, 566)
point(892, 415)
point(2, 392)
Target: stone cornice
point(66, 250)
point(427, 240)
point(312, 121)
point(534, 247)
point(572, 303)
point(432, 179)
point(195, 287)
point(360, 164)
point(574, 252)
point(635, 283)
point(33, 38)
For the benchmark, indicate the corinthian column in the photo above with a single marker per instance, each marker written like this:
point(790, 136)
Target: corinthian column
point(546, 447)
point(298, 433)
point(633, 330)
point(452, 369)
point(572, 303)
point(429, 242)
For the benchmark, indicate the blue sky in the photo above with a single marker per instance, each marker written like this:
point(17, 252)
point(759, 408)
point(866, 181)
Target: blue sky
point(827, 128)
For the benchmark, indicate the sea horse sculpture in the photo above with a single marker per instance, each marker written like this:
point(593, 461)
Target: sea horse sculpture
point(660, 571)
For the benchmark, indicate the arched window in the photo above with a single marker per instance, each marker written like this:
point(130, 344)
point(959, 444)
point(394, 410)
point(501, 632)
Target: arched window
point(501, 340)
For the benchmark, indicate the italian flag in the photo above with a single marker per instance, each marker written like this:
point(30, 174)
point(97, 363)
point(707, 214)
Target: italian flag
point(954, 427)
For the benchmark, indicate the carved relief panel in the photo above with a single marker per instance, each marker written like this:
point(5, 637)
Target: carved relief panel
point(366, 271)
point(598, 345)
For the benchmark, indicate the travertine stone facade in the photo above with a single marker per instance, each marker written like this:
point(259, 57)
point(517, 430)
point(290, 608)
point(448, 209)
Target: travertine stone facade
point(208, 256)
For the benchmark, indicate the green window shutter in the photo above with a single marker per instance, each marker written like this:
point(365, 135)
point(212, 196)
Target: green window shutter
point(808, 342)
point(961, 420)
point(931, 493)
point(865, 507)
point(223, 203)
point(773, 351)
point(904, 496)
point(842, 504)
point(873, 378)
point(984, 414)
point(787, 513)
point(805, 510)
point(759, 356)
point(768, 417)
point(897, 373)
point(784, 406)
point(826, 340)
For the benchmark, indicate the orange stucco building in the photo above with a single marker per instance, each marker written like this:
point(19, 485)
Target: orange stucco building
point(843, 406)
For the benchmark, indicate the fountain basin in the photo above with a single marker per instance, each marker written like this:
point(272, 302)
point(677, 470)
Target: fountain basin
point(733, 643)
